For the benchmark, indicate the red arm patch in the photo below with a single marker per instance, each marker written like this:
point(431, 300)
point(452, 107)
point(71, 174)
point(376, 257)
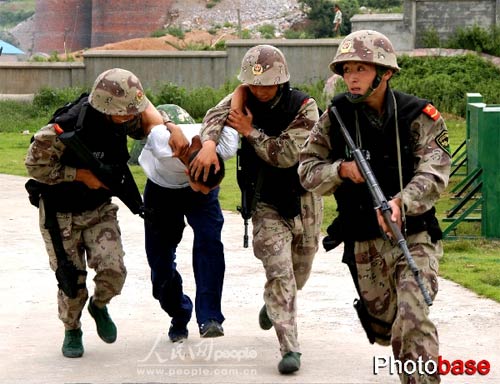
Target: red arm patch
point(431, 111)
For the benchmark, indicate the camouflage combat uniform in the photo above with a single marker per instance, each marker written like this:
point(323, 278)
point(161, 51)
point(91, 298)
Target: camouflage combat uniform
point(386, 283)
point(86, 217)
point(286, 246)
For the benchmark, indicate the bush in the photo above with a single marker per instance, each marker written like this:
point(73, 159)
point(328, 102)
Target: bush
point(176, 32)
point(267, 31)
point(477, 39)
point(430, 38)
point(49, 99)
point(446, 80)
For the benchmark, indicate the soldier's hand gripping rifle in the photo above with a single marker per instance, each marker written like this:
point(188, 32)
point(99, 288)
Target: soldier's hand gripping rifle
point(381, 203)
point(119, 180)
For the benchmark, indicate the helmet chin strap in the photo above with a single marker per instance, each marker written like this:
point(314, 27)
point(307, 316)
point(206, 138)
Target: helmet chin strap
point(376, 82)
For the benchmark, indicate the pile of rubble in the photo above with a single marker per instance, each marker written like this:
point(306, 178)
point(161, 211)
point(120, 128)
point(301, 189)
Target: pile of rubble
point(249, 14)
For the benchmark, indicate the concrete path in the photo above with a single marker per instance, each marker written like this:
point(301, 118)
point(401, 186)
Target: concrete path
point(334, 347)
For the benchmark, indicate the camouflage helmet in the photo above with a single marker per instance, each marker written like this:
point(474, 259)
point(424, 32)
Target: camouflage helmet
point(264, 65)
point(118, 92)
point(365, 46)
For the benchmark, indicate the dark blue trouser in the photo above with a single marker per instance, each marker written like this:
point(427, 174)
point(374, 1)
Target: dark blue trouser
point(163, 232)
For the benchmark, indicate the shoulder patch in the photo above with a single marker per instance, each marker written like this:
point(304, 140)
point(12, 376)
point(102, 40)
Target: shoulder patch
point(431, 111)
point(443, 142)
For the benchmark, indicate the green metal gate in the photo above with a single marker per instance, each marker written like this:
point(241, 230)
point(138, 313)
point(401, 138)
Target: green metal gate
point(478, 194)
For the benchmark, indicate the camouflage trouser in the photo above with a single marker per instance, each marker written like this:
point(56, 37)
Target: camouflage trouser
point(96, 235)
point(392, 295)
point(286, 248)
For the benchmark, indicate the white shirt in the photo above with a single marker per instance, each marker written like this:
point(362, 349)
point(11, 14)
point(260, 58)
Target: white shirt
point(158, 163)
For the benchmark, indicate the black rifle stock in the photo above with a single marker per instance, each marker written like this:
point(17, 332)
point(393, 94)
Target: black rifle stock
point(119, 180)
point(381, 202)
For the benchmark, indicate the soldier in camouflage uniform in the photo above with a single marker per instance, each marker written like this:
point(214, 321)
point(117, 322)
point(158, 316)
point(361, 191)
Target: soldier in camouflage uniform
point(287, 219)
point(405, 140)
point(80, 203)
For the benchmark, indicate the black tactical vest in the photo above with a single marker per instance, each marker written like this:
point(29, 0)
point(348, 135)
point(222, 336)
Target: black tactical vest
point(107, 142)
point(357, 218)
point(280, 187)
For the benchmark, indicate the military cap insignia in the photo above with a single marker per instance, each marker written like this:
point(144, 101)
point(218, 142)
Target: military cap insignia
point(443, 142)
point(139, 96)
point(257, 69)
point(431, 111)
point(346, 46)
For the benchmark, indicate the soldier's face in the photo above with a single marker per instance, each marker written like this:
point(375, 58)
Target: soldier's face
point(264, 93)
point(359, 76)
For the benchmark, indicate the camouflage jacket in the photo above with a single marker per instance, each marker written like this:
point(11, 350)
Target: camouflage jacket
point(318, 169)
point(280, 151)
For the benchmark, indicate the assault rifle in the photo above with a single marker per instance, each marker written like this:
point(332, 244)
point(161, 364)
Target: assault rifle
point(380, 202)
point(118, 179)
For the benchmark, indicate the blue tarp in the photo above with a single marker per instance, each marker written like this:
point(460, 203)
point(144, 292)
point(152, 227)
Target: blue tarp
point(9, 49)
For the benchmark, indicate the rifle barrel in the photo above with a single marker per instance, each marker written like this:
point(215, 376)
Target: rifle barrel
point(380, 201)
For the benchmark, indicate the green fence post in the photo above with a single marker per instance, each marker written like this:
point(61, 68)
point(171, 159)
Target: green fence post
point(489, 161)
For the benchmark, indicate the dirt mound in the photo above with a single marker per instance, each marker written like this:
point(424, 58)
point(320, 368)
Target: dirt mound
point(170, 43)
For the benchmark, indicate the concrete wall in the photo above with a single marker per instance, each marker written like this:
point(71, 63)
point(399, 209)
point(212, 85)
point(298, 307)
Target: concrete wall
point(308, 62)
point(25, 78)
point(406, 30)
point(392, 25)
point(446, 16)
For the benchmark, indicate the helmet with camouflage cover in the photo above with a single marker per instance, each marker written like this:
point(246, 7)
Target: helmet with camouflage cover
point(118, 92)
point(175, 113)
point(264, 65)
point(365, 46)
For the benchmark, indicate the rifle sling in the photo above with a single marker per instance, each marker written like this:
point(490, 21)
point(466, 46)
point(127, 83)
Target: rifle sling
point(52, 226)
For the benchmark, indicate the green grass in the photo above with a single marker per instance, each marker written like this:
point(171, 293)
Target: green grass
point(474, 265)
point(13, 148)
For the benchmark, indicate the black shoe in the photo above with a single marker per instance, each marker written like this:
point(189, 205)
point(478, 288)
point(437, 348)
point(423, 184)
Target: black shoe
point(72, 344)
point(212, 328)
point(177, 333)
point(106, 329)
point(289, 363)
point(264, 320)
